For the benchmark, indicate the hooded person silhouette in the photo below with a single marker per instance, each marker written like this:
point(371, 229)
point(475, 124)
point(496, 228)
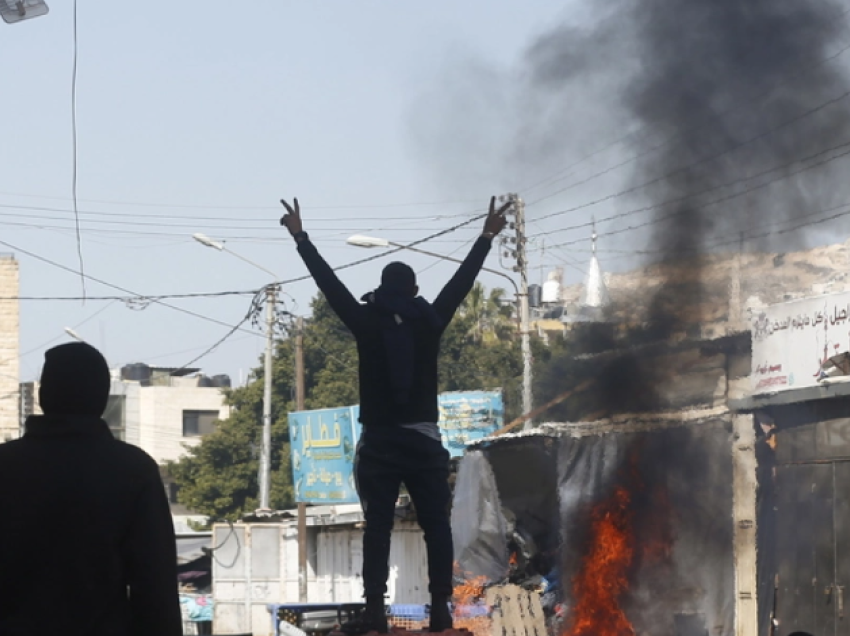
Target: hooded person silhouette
point(84, 516)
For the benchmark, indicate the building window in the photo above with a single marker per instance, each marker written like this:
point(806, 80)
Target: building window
point(198, 423)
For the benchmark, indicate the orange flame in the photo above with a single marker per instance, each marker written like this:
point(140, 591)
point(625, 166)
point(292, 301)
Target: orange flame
point(602, 579)
point(468, 593)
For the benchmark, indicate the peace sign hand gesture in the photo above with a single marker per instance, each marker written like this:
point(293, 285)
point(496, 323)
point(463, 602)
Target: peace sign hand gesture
point(292, 219)
point(495, 221)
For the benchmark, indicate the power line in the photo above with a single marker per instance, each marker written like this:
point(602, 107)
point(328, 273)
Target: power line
point(682, 169)
point(691, 208)
point(559, 176)
point(134, 298)
point(254, 303)
point(141, 301)
point(251, 312)
point(730, 239)
point(265, 220)
point(386, 253)
point(75, 155)
point(242, 207)
point(232, 329)
point(138, 298)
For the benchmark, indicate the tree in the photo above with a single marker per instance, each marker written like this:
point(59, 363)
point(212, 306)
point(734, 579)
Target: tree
point(219, 478)
point(471, 360)
point(491, 317)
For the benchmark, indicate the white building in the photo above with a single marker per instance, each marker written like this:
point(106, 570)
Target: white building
point(160, 410)
point(164, 410)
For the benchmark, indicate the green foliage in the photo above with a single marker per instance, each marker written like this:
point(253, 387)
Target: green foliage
point(219, 477)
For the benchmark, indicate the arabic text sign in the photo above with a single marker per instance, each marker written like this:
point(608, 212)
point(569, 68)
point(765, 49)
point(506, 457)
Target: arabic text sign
point(792, 340)
point(469, 416)
point(322, 445)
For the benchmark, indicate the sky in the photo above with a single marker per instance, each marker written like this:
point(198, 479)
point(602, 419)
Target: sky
point(396, 120)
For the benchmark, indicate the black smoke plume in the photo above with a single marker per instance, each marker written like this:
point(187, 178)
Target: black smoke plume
point(744, 111)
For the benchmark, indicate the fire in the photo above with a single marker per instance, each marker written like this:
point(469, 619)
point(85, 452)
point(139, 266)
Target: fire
point(603, 577)
point(468, 593)
point(512, 560)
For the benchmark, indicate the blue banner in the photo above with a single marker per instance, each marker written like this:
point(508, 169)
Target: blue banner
point(469, 415)
point(322, 444)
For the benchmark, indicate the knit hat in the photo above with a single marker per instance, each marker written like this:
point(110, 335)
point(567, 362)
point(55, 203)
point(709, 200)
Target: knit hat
point(74, 381)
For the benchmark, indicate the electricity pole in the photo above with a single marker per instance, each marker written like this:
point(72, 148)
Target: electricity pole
point(525, 318)
point(265, 449)
point(518, 210)
point(302, 507)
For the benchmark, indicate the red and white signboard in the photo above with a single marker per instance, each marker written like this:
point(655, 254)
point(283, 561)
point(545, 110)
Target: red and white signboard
point(791, 341)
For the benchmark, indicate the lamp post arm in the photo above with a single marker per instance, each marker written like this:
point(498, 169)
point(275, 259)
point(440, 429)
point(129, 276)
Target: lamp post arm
point(250, 262)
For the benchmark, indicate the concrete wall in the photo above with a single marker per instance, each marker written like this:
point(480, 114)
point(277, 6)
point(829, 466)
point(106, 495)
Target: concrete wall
point(132, 418)
point(9, 350)
point(160, 418)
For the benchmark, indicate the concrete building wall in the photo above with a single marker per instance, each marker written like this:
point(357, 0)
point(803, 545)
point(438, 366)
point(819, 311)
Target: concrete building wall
point(129, 392)
point(160, 426)
point(9, 349)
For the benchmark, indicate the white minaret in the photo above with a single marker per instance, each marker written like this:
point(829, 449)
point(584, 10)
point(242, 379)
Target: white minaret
point(594, 296)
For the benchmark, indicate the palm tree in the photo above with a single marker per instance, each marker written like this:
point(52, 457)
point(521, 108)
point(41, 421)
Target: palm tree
point(491, 316)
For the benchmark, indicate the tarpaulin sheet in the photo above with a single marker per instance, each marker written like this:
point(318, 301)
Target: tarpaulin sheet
point(479, 529)
point(679, 483)
point(517, 480)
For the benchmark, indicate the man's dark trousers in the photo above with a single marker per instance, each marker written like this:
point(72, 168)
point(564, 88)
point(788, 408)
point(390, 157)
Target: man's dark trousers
point(388, 456)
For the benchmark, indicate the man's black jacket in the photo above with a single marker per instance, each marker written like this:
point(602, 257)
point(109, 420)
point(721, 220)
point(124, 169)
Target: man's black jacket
point(377, 406)
point(87, 542)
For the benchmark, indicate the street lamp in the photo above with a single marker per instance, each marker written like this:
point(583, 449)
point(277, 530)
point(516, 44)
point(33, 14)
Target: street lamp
point(18, 10)
point(74, 334)
point(203, 239)
point(358, 240)
point(265, 448)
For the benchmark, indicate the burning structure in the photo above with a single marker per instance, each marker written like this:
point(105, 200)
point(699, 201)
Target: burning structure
point(639, 523)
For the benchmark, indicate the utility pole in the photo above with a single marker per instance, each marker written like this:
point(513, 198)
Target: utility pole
point(525, 319)
point(266, 447)
point(302, 507)
point(520, 253)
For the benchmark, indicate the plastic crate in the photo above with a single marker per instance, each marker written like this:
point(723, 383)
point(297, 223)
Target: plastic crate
point(409, 617)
